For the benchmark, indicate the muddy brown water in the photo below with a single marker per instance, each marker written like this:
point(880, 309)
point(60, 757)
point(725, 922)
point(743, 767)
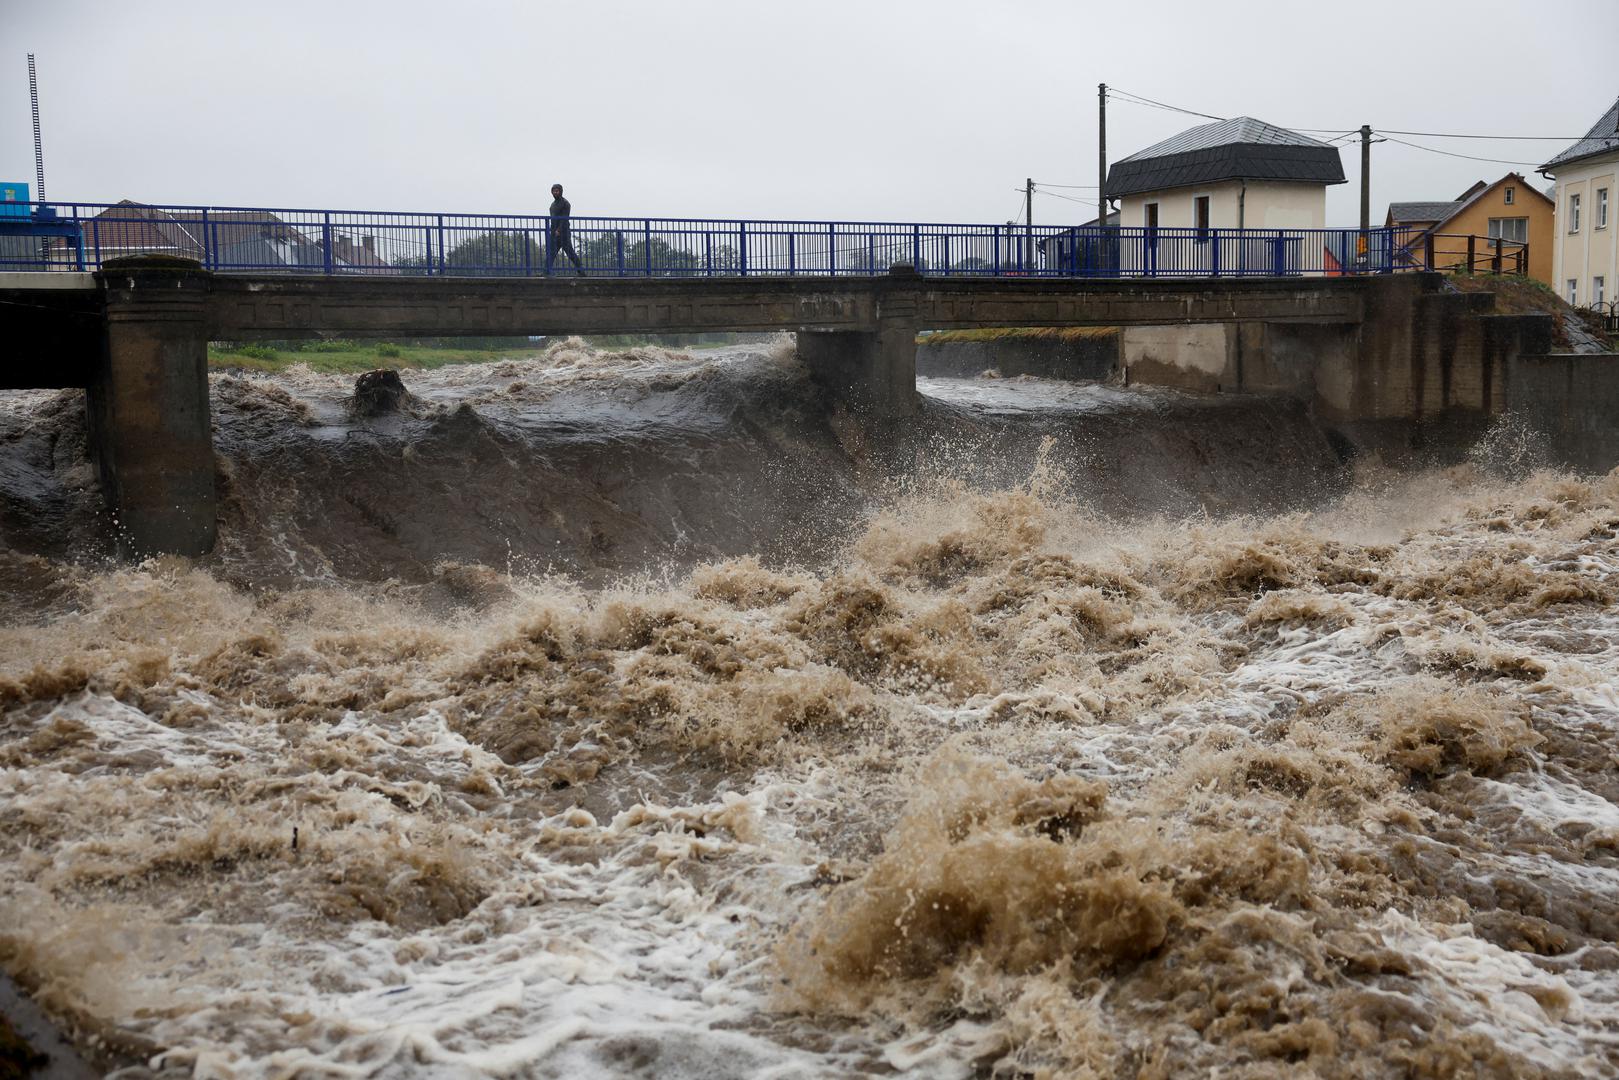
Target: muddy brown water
point(634, 714)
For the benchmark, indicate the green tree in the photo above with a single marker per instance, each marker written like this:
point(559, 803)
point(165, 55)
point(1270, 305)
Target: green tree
point(603, 252)
point(481, 253)
point(496, 253)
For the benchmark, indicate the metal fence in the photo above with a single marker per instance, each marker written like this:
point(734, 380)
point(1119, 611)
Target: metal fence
point(69, 236)
point(1461, 253)
point(1607, 312)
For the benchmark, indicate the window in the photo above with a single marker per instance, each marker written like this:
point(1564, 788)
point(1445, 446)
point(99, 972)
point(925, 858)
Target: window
point(1599, 289)
point(1149, 215)
point(1602, 208)
point(1511, 228)
point(1200, 216)
point(1573, 213)
point(1511, 194)
point(1573, 293)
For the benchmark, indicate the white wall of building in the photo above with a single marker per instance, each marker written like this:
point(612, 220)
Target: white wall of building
point(1593, 251)
point(1233, 204)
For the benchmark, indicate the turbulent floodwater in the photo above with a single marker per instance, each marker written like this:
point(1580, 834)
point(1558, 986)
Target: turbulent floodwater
point(635, 715)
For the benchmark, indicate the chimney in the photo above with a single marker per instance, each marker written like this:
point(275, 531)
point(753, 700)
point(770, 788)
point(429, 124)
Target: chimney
point(370, 244)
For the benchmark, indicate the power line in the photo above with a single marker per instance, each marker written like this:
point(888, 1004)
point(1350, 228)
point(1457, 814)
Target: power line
point(1448, 153)
point(1509, 138)
point(1136, 99)
point(1082, 187)
point(1066, 198)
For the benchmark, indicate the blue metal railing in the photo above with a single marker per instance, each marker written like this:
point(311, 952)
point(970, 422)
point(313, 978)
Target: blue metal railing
point(74, 236)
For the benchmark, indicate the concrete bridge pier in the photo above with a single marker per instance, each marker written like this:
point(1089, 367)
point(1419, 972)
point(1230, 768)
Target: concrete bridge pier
point(872, 371)
point(148, 406)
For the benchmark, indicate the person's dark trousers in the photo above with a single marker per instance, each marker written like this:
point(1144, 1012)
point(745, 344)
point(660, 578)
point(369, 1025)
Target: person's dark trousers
point(562, 242)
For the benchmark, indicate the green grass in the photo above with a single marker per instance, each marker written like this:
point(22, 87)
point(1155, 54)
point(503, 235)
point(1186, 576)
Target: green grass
point(1018, 333)
point(352, 357)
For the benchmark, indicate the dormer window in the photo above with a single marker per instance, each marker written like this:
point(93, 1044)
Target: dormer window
point(1512, 194)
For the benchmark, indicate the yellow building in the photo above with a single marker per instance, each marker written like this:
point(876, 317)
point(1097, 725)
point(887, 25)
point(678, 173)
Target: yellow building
point(1510, 209)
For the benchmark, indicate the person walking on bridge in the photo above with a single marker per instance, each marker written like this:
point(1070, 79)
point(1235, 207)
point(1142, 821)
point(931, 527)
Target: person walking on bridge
point(561, 210)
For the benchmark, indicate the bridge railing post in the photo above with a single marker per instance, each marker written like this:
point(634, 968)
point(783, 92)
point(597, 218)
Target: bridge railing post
point(326, 241)
point(742, 248)
point(441, 255)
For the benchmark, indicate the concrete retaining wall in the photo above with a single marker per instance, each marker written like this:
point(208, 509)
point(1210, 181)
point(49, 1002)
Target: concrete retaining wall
point(1420, 379)
point(1573, 399)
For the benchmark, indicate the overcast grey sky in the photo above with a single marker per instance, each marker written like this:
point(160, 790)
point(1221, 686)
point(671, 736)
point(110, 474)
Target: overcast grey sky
point(931, 110)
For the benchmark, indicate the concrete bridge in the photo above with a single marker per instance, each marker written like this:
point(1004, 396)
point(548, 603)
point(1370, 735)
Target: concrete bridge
point(1367, 352)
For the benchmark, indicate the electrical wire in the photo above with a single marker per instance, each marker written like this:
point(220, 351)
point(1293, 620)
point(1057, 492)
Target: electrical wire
point(1509, 138)
point(1448, 153)
point(1065, 198)
point(1139, 100)
point(1136, 99)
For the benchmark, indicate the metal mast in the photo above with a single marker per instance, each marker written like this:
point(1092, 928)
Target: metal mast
point(39, 152)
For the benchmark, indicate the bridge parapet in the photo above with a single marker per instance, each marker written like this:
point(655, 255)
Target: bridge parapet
point(373, 243)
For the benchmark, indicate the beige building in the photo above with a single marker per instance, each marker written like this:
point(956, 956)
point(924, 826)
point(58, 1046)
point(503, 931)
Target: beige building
point(1586, 257)
point(1240, 173)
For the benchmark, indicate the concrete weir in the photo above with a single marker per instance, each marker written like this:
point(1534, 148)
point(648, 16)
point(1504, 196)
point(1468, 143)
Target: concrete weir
point(1389, 361)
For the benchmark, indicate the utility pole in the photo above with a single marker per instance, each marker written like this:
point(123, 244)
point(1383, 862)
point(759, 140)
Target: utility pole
point(1365, 177)
point(1101, 155)
point(1028, 223)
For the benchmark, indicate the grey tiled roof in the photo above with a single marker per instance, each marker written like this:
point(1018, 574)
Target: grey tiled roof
point(1238, 149)
point(1603, 137)
point(1422, 211)
point(1239, 129)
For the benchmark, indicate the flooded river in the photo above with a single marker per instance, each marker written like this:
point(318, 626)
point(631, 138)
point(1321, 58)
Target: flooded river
point(636, 714)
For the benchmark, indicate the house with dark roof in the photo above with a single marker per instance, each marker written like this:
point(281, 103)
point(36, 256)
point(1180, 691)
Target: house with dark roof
point(1426, 214)
point(1586, 258)
point(1240, 173)
point(1511, 210)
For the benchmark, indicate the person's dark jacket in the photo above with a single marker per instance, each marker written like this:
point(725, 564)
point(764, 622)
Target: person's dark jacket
point(561, 209)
